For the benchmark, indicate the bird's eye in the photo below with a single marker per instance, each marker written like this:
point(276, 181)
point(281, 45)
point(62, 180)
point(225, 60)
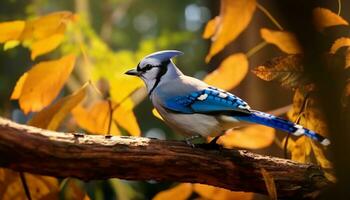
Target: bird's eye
point(147, 67)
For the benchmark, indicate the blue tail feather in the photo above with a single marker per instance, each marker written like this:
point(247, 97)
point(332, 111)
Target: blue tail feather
point(283, 125)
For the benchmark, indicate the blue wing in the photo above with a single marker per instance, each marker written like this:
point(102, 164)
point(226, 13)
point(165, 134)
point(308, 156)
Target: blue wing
point(209, 100)
point(212, 100)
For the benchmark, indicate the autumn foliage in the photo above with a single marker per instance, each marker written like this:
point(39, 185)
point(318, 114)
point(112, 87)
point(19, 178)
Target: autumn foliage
point(103, 100)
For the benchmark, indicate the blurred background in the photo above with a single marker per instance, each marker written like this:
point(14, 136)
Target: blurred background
point(123, 28)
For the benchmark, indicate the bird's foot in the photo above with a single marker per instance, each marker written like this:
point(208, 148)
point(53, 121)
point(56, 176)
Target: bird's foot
point(189, 140)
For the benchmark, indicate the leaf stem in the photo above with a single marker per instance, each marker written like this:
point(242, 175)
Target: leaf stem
point(300, 114)
point(256, 48)
point(268, 14)
point(285, 147)
point(339, 7)
point(63, 183)
point(94, 87)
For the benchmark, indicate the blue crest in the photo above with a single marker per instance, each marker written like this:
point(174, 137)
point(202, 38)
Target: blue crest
point(165, 55)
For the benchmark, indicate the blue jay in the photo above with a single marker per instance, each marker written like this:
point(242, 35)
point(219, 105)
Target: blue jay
point(193, 107)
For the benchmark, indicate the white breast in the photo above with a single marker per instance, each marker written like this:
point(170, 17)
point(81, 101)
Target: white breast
point(192, 124)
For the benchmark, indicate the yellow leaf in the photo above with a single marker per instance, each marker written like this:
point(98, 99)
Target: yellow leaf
point(206, 191)
point(11, 44)
point(284, 40)
point(96, 118)
point(323, 161)
point(51, 117)
point(179, 192)
point(230, 72)
point(339, 43)
point(46, 45)
point(290, 145)
point(214, 193)
point(42, 83)
point(313, 117)
point(320, 157)
point(270, 184)
point(11, 30)
point(301, 150)
point(156, 114)
point(233, 19)
point(19, 86)
point(211, 27)
point(53, 23)
point(126, 119)
point(40, 187)
point(250, 137)
point(324, 18)
point(74, 191)
point(122, 86)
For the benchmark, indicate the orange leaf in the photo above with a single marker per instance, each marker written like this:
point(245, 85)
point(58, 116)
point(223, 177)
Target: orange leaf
point(16, 94)
point(11, 30)
point(51, 117)
point(270, 184)
point(206, 191)
point(339, 43)
point(179, 192)
point(301, 150)
point(74, 191)
point(251, 137)
point(210, 28)
point(323, 161)
point(215, 193)
point(234, 18)
point(287, 69)
point(96, 118)
point(320, 156)
point(45, 26)
point(126, 119)
point(324, 18)
point(41, 84)
point(46, 45)
point(40, 187)
point(313, 117)
point(284, 40)
point(230, 72)
point(290, 144)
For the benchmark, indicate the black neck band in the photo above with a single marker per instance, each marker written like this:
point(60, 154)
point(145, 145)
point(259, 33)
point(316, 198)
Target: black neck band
point(163, 68)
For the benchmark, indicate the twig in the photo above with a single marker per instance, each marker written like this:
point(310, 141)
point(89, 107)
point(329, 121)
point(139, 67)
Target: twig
point(268, 14)
point(339, 7)
point(256, 48)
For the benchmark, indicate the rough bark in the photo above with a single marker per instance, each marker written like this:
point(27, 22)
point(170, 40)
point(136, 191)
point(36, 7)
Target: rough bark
point(29, 149)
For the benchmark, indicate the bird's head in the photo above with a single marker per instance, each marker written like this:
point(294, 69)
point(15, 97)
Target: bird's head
point(155, 67)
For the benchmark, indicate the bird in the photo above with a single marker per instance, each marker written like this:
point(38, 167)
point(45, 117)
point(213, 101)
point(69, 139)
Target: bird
point(196, 109)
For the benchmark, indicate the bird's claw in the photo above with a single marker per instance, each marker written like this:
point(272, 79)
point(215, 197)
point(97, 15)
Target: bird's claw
point(189, 140)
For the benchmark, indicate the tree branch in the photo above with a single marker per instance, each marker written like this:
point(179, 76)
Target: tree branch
point(29, 149)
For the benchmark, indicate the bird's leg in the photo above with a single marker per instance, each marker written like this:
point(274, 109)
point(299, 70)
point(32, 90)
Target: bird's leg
point(188, 140)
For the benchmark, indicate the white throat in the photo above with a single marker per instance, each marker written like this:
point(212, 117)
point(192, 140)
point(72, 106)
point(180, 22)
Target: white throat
point(169, 72)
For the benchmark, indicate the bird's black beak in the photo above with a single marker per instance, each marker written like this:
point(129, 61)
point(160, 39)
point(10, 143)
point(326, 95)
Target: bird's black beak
point(133, 72)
